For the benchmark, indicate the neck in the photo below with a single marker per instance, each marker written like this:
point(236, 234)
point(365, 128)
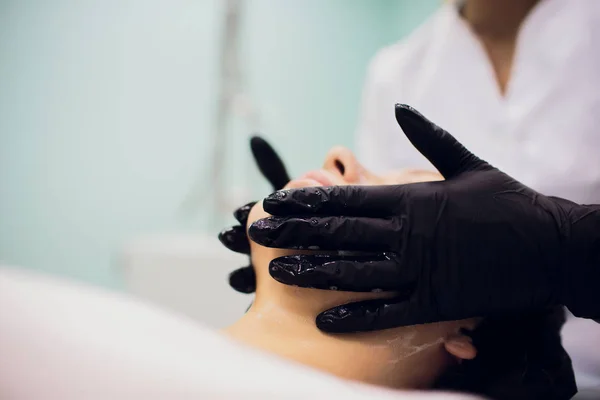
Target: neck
point(282, 321)
point(397, 358)
point(498, 19)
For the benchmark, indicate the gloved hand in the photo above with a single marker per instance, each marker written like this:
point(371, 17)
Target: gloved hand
point(234, 238)
point(479, 243)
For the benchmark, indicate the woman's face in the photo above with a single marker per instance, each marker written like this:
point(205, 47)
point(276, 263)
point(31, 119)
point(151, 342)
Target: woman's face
point(339, 168)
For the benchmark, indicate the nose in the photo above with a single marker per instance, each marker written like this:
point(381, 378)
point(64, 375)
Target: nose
point(341, 161)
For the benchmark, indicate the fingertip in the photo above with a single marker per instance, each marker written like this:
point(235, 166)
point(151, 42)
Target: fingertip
point(325, 324)
point(295, 200)
point(410, 119)
point(243, 280)
point(252, 230)
point(259, 231)
point(272, 202)
point(241, 214)
point(405, 111)
point(288, 270)
point(400, 107)
point(225, 236)
point(335, 320)
point(268, 162)
point(234, 238)
point(257, 142)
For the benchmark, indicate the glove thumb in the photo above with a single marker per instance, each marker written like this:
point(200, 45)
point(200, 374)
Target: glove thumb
point(441, 148)
point(269, 163)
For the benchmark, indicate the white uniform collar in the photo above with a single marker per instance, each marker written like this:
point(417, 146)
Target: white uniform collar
point(552, 33)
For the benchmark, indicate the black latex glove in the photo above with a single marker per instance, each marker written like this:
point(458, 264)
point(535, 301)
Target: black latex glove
point(234, 238)
point(479, 243)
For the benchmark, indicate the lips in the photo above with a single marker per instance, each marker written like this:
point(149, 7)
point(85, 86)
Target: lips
point(319, 177)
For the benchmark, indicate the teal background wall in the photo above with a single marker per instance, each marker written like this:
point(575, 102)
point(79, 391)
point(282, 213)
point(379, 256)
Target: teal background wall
point(106, 110)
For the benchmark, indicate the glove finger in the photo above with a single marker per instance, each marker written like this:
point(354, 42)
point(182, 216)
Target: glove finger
point(372, 315)
point(368, 273)
point(235, 239)
point(372, 201)
point(269, 163)
point(446, 153)
point(328, 233)
point(241, 214)
point(243, 279)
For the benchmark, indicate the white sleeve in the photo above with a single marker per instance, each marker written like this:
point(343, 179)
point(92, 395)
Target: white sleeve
point(372, 141)
point(70, 341)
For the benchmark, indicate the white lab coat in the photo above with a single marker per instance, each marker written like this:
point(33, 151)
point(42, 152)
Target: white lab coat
point(545, 130)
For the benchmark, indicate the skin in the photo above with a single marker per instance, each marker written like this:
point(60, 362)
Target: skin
point(281, 319)
point(496, 23)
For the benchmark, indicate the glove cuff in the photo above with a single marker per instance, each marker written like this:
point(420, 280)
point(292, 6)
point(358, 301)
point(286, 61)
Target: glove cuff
point(582, 269)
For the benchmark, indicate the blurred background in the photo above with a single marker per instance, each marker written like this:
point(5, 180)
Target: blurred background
point(109, 132)
point(125, 124)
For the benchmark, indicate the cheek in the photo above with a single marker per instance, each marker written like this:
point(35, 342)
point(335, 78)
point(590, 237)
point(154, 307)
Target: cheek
point(407, 176)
